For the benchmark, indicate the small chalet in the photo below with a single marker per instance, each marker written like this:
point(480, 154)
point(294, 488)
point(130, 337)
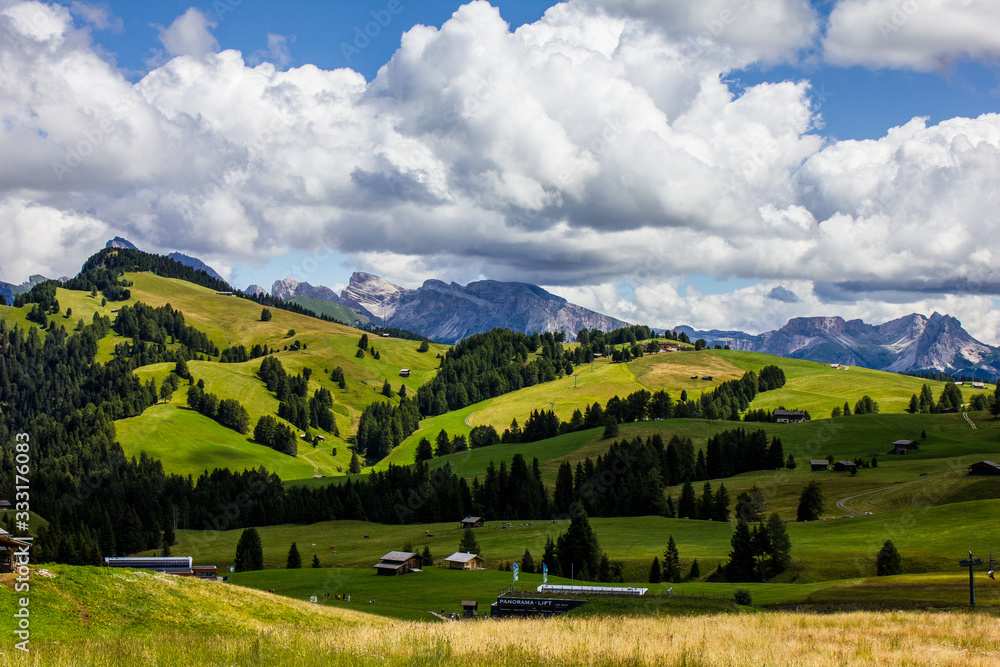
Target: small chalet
point(978, 385)
point(819, 464)
point(9, 546)
point(470, 608)
point(471, 522)
point(789, 416)
point(4, 505)
point(465, 561)
point(404, 372)
point(845, 465)
point(668, 347)
point(904, 446)
point(399, 562)
point(984, 468)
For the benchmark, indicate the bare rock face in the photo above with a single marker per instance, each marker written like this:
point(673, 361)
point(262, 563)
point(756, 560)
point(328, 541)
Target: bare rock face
point(911, 343)
point(450, 312)
point(254, 290)
point(287, 288)
point(195, 264)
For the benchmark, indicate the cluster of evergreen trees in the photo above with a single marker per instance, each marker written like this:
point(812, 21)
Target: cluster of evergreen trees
point(383, 426)
point(486, 365)
point(156, 325)
point(760, 553)
point(316, 412)
point(511, 493)
point(272, 433)
point(229, 412)
point(950, 400)
point(239, 354)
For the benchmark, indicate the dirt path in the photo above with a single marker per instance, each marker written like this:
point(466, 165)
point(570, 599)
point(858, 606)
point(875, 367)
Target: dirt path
point(842, 503)
point(971, 423)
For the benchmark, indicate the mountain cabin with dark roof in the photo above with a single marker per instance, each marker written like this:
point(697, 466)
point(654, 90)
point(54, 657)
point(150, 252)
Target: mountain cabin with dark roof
point(4, 505)
point(984, 468)
point(471, 522)
point(904, 446)
point(465, 561)
point(842, 466)
point(10, 546)
point(404, 372)
point(399, 562)
point(789, 416)
point(819, 464)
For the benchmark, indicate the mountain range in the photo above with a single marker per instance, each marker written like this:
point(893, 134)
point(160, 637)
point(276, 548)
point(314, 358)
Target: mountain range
point(913, 343)
point(449, 312)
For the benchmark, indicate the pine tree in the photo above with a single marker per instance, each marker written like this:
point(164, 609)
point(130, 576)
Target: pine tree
point(249, 552)
point(424, 451)
point(549, 557)
point(443, 443)
point(577, 549)
point(265, 315)
point(671, 562)
point(706, 503)
point(888, 561)
point(610, 427)
point(527, 563)
point(468, 544)
point(695, 570)
point(654, 571)
point(741, 559)
point(294, 560)
point(810, 502)
point(315, 561)
point(426, 558)
point(386, 389)
point(720, 504)
point(355, 466)
point(780, 544)
point(687, 506)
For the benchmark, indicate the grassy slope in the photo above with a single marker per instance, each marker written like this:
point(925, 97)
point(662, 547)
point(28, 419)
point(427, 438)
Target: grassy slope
point(100, 617)
point(810, 386)
point(230, 321)
point(929, 539)
point(334, 310)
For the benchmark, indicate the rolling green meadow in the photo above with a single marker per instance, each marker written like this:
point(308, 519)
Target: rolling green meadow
point(925, 502)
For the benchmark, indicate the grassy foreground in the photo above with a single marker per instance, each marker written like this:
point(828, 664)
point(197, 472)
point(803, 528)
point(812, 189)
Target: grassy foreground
point(103, 618)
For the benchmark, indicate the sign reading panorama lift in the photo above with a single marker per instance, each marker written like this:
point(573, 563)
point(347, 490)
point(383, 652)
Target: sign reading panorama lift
point(511, 606)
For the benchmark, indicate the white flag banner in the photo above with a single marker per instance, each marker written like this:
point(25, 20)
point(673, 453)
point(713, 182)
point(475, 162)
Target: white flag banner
point(516, 571)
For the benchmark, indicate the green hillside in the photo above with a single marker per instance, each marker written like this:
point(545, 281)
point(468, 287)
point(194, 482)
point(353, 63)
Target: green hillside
point(334, 310)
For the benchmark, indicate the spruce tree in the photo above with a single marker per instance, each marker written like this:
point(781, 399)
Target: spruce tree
point(695, 570)
point(671, 562)
point(779, 543)
point(315, 561)
point(527, 563)
point(468, 544)
point(741, 563)
point(426, 558)
point(810, 502)
point(355, 466)
point(687, 506)
point(249, 552)
point(610, 427)
point(294, 560)
point(654, 571)
point(720, 504)
point(549, 557)
point(424, 451)
point(577, 549)
point(888, 561)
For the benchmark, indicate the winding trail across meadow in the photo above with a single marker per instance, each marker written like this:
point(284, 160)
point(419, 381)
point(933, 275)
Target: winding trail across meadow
point(842, 503)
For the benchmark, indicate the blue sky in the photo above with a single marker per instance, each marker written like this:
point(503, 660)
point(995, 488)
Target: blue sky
point(665, 162)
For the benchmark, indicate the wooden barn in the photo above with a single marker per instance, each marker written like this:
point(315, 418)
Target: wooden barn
point(465, 561)
point(984, 468)
point(399, 562)
point(4, 505)
point(472, 522)
point(789, 416)
point(843, 466)
point(904, 446)
point(404, 372)
point(9, 546)
point(819, 464)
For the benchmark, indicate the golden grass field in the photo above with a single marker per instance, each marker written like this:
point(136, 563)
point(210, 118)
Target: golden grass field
point(104, 618)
